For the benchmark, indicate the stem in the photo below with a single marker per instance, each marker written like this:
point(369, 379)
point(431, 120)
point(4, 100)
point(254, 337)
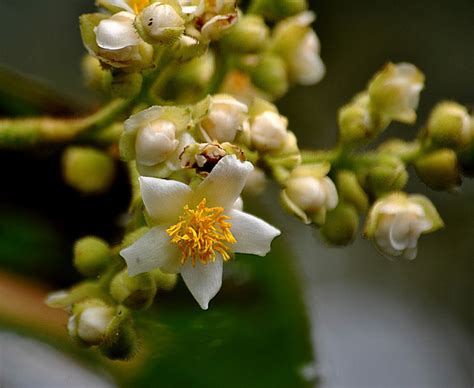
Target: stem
point(30, 132)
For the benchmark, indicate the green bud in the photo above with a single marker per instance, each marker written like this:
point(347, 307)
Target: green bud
point(350, 190)
point(88, 170)
point(388, 175)
point(450, 126)
point(249, 34)
point(164, 281)
point(270, 75)
point(91, 256)
point(121, 341)
point(160, 23)
point(278, 9)
point(135, 292)
point(394, 92)
point(341, 225)
point(439, 170)
point(126, 85)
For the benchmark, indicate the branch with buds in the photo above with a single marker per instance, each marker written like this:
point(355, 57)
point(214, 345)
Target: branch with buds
point(192, 115)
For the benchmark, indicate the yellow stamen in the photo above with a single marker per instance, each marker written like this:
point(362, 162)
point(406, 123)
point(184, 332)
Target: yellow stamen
point(138, 5)
point(201, 233)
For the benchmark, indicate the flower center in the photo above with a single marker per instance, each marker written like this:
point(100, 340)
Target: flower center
point(201, 233)
point(139, 5)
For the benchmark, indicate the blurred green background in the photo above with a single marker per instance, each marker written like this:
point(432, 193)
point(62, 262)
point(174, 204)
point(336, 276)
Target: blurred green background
point(373, 323)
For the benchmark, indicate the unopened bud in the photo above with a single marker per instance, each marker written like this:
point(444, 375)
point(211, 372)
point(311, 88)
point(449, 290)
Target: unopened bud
point(388, 175)
point(88, 170)
point(450, 126)
point(160, 23)
point(249, 34)
point(350, 190)
point(91, 256)
point(120, 339)
point(270, 75)
point(439, 170)
point(155, 142)
point(278, 9)
point(135, 292)
point(341, 225)
point(164, 281)
point(256, 182)
point(268, 131)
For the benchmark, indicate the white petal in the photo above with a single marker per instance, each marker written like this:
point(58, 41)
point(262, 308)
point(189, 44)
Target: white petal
point(203, 281)
point(117, 32)
point(399, 232)
point(253, 235)
point(225, 183)
point(151, 251)
point(332, 198)
point(164, 199)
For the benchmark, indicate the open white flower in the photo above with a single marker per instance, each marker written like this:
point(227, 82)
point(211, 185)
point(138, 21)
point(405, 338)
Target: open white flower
point(396, 222)
point(195, 231)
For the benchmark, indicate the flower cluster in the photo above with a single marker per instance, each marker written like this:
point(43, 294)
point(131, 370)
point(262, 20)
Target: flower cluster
point(193, 117)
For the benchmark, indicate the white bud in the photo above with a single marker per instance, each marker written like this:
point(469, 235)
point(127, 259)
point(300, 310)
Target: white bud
point(161, 23)
point(117, 38)
point(256, 182)
point(312, 194)
point(269, 131)
point(156, 142)
point(90, 325)
point(306, 65)
point(225, 118)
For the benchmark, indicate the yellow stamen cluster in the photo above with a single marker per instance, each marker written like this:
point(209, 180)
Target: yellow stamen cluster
point(139, 5)
point(201, 233)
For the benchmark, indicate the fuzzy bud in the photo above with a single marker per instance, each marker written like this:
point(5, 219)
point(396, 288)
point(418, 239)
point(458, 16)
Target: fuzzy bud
point(341, 225)
point(249, 34)
point(350, 190)
point(88, 170)
point(270, 75)
point(135, 292)
point(450, 126)
point(389, 174)
point(439, 170)
point(91, 256)
point(164, 282)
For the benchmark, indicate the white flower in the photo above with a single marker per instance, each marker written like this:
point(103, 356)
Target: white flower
point(226, 116)
point(155, 138)
point(195, 231)
point(117, 39)
point(395, 91)
point(90, 325)
point(306, 64)
point(396, 222)
point(312, 194)
point(268, 131)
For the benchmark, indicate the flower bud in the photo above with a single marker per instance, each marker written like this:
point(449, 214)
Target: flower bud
point(216, 18)
point(268, 131)
point(256, 183)
point(249, 35)
point(341, 225)
point(90, 321)
point(310, 193)
point(395, 91)
point(225, 117)
point(156, 142)
point(91, 256)
point(160, 23)
point(270, 75)
point(389, 174)
point(95, 76)
point(439, 170)
point(135, 292)
point(350, 191)
point(396, 222)
point(115, 41)
point(298, 45)
point(126, 85)
point(450, 126)
point(88, 170)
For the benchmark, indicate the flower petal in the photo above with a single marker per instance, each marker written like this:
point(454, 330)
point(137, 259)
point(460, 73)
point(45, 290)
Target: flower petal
point(225, 183)
point(117, 32)
point(203, 281)
point(164, 199)
point(253, 235)
point(151, 251)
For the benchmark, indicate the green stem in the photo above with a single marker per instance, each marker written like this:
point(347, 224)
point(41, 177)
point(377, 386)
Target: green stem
point(30, 132)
